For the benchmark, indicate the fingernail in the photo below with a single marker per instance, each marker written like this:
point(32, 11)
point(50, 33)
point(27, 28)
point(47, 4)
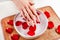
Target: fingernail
point(38, 12)
point(32, 24)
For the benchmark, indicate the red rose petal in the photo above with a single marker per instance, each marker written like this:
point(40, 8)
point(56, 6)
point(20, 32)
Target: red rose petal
point(15, 37)
point(24, 25)
point(50, 25)
point(38, 12)
point(9, 30)
point(18, 23)
point(31, 33)
point(47, 14)
point(32, 28)
point(58, 29)
point(10, 22)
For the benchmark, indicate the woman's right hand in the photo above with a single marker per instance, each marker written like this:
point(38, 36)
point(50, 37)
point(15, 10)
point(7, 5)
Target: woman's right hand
point(27, 10)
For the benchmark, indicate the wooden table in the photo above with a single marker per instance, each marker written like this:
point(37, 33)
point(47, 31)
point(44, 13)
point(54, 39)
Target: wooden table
point(49, 34)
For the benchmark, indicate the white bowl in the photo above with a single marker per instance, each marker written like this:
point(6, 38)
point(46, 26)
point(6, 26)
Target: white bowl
point(40, 29)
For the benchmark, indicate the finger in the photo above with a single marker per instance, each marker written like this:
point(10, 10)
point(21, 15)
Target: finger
point(34, 11)
point(26, 14)
point(30, 14)
point(28, 22)
point(21, 13)
point(31, 23)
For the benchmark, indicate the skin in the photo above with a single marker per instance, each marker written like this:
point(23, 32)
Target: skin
point(27, 10)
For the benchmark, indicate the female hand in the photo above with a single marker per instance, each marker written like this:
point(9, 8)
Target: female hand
point(27, 10)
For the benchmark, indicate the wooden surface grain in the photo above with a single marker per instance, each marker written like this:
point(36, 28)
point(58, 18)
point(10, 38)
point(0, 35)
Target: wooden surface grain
point(49, 34)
